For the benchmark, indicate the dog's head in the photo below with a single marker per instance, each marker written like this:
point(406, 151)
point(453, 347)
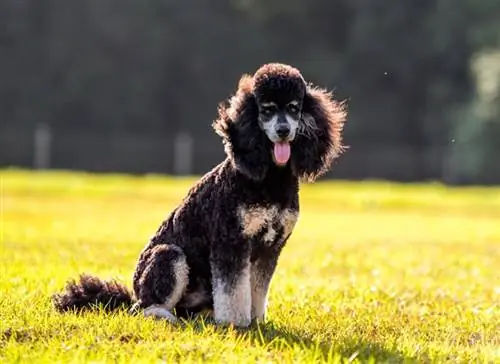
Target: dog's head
point(279, 94)
point(277, 119)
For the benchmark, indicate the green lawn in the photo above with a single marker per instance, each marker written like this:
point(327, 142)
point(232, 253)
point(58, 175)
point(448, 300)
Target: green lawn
point(373, 271)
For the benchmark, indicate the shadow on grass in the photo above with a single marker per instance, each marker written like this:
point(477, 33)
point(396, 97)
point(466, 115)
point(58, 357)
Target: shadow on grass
point(277, 338)
point(270, 335)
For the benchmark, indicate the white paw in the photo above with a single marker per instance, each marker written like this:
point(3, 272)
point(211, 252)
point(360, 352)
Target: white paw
point(160, 312)
point(237, 322)
point(259, 319)
point(134, 309)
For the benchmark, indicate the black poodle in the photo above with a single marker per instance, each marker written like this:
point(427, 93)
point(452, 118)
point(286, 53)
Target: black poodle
point(219, 248)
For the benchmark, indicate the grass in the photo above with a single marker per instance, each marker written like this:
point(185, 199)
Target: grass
point(374, 272)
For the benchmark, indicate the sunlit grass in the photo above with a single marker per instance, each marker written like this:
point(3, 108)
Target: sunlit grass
point(373, 270)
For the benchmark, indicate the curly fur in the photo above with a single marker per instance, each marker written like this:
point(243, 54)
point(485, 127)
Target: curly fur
point(320, 138)
point(218, 249)
point(92, 291)
point(319, 142)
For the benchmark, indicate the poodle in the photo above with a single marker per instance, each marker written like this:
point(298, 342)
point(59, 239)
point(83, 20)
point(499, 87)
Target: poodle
point(219, 248)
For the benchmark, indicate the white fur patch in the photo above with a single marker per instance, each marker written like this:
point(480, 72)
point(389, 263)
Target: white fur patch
point(270, 235)
point(294, 124)
point(259, 294)
point(232, 305)
point(270, 126)
point(159, 312)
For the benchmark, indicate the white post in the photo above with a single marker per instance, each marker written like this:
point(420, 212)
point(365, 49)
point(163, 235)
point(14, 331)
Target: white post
point(42, 144)
point(183, 154)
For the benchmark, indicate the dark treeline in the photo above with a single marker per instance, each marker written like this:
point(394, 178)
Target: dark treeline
point(117, 80)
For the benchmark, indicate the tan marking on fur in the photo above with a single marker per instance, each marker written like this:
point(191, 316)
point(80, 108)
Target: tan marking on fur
point(294, 103)
point(267, 104)
point(253, 219)
point(181, 271)
point(233, 305)
point(259, 294)
point(288, 220)
point(194, 299)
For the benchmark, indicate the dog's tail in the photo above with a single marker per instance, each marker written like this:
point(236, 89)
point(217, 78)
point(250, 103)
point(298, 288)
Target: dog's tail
point(92, 292)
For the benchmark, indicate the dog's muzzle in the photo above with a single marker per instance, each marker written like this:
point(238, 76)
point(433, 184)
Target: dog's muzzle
point(283, 130)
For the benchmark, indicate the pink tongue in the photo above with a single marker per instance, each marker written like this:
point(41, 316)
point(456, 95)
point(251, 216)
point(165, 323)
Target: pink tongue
point(281, 152)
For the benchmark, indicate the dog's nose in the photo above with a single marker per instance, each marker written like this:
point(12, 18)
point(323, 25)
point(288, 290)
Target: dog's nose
point(283, 130)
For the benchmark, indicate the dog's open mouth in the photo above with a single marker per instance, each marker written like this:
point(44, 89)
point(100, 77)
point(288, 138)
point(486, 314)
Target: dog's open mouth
point(281, 153)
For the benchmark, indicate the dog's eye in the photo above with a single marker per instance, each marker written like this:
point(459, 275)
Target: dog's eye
point(268, 111)
point(294, 109)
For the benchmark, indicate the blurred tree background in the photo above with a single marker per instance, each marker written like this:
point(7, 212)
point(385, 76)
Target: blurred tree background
point(118, 81)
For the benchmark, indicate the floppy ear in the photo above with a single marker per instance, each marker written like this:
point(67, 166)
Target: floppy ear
point(244, 142)
point(319, 138)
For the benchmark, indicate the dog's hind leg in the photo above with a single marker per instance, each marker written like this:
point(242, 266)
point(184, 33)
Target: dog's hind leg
point(161, 280)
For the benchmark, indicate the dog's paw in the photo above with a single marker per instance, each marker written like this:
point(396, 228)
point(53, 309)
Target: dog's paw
point(160, 313)
point(235, 323)
point(259, 320)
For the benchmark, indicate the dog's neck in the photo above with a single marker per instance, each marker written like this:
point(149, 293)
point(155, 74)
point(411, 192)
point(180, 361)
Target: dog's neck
point(279, 186)
point(279, 175)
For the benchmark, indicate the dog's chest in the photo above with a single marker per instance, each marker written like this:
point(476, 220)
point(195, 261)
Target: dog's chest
point(270, 224)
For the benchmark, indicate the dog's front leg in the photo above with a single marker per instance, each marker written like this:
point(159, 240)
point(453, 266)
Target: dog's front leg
point(261, 273)
point(232, 292)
